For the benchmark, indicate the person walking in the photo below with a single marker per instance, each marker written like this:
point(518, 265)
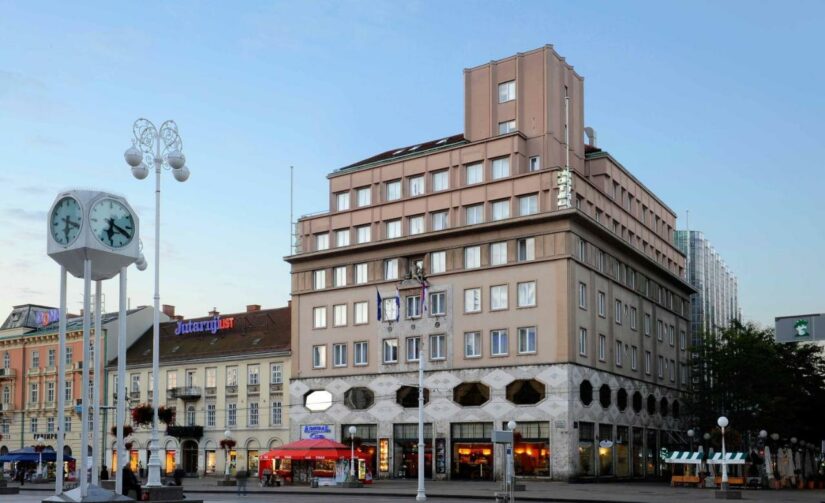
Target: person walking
point(242, 477)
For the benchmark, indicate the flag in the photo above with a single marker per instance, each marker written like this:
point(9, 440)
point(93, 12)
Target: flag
point(397, 304)
point(378, 304)
point(424, 286)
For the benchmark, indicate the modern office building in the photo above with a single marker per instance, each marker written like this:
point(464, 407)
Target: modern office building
point(217, 373)
point(716, 301)
point(28, 374)
point(532, 295)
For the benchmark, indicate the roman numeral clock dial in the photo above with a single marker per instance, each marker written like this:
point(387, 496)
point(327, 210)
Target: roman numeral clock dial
point(112, 223)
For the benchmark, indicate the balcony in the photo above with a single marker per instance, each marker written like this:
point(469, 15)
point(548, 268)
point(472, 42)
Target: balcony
point(32, 405)
point(232, 389)
point(134, 395)
point(186, 392)
point(50, 370)
point(77, 366)
point(253, 389)
point(49, 405)
point(8, 373)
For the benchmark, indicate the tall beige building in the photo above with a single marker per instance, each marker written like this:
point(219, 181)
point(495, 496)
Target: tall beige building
point(570, 319)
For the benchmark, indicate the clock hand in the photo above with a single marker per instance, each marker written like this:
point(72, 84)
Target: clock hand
point(110, 232)
point(73, 224)
point(120, 230)
point(66, 227)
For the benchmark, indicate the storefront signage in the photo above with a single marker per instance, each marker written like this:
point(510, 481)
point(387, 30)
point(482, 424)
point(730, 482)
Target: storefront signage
point(440, 455)
point(211, 326)
point(383, 455)
point(316, 431)
point(606, 444)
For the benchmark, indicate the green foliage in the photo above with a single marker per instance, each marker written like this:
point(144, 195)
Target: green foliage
point(758, 383)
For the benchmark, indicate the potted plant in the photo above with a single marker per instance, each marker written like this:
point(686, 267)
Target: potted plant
point(143, 414)
point(166, 415)
point(127, 430)
point(227, 443)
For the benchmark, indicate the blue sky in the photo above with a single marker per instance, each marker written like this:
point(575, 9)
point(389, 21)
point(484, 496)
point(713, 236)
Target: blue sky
point(715, 106)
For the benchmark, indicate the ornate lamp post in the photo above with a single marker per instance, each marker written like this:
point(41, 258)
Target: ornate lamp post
point(352, 430)
point(227, 446)
point(723, 423)
point(161, 147)
point(39, 448)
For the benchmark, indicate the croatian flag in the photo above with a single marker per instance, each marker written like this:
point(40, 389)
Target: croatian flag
point(379, 303)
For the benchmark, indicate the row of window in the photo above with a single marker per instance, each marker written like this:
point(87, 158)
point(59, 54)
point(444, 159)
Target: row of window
point(253, 413)
point(253, 377)
point(439, 220)
point(34, 392)
point(34, 425)
point(664, 366)
point(606, 395)
point(51, 357)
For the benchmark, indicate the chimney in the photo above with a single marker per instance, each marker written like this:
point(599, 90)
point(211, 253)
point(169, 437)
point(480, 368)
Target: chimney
point(178, 317)
point(214, 312)
point(251, 308)
point(168, 310)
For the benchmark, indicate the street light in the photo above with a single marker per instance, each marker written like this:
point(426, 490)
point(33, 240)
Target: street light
point(352, 430)
point(162, 148)
point(227, 435)
point(690, 434)
point(723, 423)
point(511, 425)
point(40, 445)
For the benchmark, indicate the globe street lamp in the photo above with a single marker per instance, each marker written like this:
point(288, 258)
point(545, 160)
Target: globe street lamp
point(723, 423)
point(511, 476)
point(40, 445)
point(690, 434)
point(352, 430)
point(160, 147)
point(227, 435)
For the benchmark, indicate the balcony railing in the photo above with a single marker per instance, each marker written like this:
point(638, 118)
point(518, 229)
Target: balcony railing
point(8, 373)
point(49, 405)
point(134, 395)
point(186, 392)
point(33, 371)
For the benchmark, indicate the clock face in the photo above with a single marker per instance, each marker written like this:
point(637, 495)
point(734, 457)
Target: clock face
point(112, 223)
point(66, 220)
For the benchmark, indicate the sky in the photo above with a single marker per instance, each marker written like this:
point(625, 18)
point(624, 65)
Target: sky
point(714, 106)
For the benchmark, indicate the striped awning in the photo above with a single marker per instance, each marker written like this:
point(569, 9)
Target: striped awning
point(684, 457)
point(731, 458)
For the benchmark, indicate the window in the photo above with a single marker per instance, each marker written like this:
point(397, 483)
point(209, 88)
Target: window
point(319, 316)
point(413, 349)
point(50, 425)
point(506, 127)
point(501, 209)
point(172, 379)
point(339, 315)
point(276, 413)
point(391, 268)
point(475, 173)
point(437, 349)
point(276, 373)
point(68, 390)
point(35, 359)
point(526, 294)
point(50, 391)
point(232, 376)
point(501, 167)
point(527, 340)
point(322, 241)
point(507, 91)
point(231, 414)
point(582, 295)
point(33, 425)
point(441, 180)
point(474, 214)
point(472, 257)
point(472, 345)
point(526, 248)
point(360, 312)
point(339, 276)
point(528, 205)
point(472, 300)
point(413, 306)
point(583, 341)
point(619, 354)
point(498, 253)
point(34, 392)
point(600, 301)
point(647, 362)
point(682, 340)
point(50, 358)
point(319, 279)
point(634, 357)
point(363, 195)
point(602, 347)
point(440, 220)
point(498, 343)
point(647, 324)
point(684, 370)
point(342, 201)
point(363, 234)
point(339, 355)
point(67, 423)
point(438, 262)
point(135, 385)
point(360, 274)
point(390, 350)
point(498, 297)
point(7, 360)
point(437, 304)
point(659, 330)
point(391, 309)
point(319, 357)
point(359, 353)
point(417, 186)
point(416, 225)
point(394, 229)
point(534, 164)
point(660, 370)
point(633, 318)
point(582, 252)
point(672, 371)
point(670, 337)
point(393, 190)
point(190, 415)
point(342, 238)
point(6, 394)
point(617, 312)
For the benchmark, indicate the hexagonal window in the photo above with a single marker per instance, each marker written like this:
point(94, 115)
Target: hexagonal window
point(605, 396)
point(318, 400)
point(359, 398)
point(621, 399)
point(525, 391)
point(407, 396)
point(586, 392)
point(651, 404)
point(637, 402)
point(663, 406)
point(675, 408)
point(471, 394)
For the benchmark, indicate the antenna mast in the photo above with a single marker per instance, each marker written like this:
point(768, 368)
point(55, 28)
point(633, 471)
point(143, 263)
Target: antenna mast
point(565, 179)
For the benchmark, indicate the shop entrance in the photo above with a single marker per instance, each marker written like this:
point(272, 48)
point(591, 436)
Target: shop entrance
point(472, 451)
point(189, 450)
point(366, 442)
point(405, 452)
point(531, 454)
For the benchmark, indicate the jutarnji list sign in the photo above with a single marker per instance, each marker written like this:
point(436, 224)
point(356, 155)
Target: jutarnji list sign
point(212, 325)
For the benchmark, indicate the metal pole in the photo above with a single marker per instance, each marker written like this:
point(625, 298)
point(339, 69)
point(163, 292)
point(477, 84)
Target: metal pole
point(97, 369)
point(120, 390)
point(154, 461)
point(61, 384)
point(84, 417)
point(421, 495)
point(352, 455)
point(724, 464)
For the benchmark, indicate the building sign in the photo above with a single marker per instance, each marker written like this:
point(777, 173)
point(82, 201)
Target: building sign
point(383, 454)
point(46, 316)
point(316, 431)
point(800, 328)
point(211, 326)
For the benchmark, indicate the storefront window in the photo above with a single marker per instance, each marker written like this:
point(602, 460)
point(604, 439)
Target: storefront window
point(210, 461)
point(638, 453)
point(366, 442)
point(472, 453)
point(586, 453)
point(252, 460)
point(605, 449)
point(622, 452)
point(530, 451)
point(405, 437)
point(650, 451)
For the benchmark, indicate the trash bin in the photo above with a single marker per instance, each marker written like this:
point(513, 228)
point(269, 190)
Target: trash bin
point(314, 483)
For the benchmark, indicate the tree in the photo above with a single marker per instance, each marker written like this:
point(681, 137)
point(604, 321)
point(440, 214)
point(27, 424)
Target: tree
point(759, 383)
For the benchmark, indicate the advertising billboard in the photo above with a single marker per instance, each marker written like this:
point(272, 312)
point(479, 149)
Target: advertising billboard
point(802, 328)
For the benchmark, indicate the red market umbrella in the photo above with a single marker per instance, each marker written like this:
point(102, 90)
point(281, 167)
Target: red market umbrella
point(309, 449)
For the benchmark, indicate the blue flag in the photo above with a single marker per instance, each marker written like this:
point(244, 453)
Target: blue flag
point(378, 304)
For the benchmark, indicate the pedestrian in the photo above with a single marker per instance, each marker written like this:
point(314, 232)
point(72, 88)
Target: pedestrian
point(130, 482)
point(241, 479)
point(141, 470)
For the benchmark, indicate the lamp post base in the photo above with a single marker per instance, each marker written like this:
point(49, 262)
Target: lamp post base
point(728, 495)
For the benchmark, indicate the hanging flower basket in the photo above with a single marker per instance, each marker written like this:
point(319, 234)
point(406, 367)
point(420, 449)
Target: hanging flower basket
point(127, 430)
point(227, 443)
point(166, 415)
point(143, 414)
point(39, 448)
point(128, 446)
